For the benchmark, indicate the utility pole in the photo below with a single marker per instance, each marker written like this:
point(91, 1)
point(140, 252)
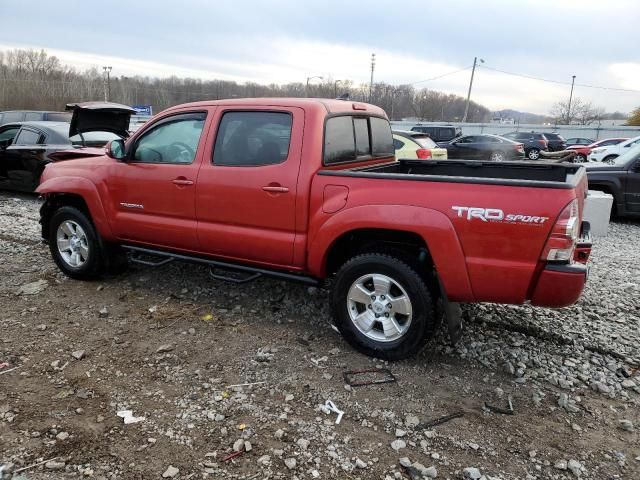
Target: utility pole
point(335, 88)
point(107, 83)
point(306, 90)
point(473, 71)
point(373, 67)
point(573, 80)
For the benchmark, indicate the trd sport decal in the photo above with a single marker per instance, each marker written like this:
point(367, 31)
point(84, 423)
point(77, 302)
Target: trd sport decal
point(497, 215)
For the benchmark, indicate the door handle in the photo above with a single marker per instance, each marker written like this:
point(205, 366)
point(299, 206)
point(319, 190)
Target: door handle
point(275, 189)
point(182, 181)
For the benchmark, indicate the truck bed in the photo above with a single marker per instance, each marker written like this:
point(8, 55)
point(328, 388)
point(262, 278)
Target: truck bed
point(546, 175)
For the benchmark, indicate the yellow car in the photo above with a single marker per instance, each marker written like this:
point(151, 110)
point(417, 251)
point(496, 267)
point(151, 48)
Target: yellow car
point(416, 145)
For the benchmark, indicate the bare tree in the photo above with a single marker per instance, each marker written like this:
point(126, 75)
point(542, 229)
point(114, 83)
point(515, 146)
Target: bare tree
point(582, 112)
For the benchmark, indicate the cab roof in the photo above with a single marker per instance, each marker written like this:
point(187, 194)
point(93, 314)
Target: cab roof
point(327, 105)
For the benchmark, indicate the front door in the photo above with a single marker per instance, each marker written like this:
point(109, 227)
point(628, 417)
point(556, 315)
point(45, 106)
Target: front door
point(464, 148)
point(246, 193)
point(153, 190)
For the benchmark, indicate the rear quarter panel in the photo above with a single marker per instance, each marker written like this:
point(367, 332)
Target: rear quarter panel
point(492, 261)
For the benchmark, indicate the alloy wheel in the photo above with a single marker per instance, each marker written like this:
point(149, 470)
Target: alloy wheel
point(379, 307)
point(72, 243)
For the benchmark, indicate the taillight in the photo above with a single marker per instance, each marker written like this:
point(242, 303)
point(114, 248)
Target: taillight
point(423, 153)
point(519, 147)
point(564, 235)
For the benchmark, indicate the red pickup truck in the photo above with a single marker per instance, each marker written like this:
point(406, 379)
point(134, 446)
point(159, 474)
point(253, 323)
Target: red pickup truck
point(310, 190)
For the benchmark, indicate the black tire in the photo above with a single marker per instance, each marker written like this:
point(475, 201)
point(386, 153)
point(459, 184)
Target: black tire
point(533, 154)
point(579, 158)
point(93, 265)
point(609, 158)
point(423, 322)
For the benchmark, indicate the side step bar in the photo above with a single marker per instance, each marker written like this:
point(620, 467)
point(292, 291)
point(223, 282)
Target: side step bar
point(254, 272)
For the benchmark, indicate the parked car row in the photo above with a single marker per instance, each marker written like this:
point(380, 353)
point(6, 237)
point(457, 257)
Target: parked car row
point(583, 151)
point(498, 148)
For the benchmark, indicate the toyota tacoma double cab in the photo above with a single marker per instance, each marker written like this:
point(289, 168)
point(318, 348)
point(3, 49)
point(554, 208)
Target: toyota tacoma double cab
point(310, 190)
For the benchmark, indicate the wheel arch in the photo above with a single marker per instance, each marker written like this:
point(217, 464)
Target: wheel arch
point(422, 231)
point(77, 192)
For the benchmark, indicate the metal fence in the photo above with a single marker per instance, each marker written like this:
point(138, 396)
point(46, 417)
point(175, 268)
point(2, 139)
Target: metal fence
point(567, 131)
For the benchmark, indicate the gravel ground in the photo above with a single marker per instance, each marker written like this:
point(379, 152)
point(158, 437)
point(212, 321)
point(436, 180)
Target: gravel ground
point(170, 344)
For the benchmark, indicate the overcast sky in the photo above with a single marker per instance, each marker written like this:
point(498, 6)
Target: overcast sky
point(289, 40)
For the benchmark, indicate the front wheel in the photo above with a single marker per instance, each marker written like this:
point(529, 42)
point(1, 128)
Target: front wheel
point(382, 306)
point(533, 154)
point(497, 157)
point(74, 244)
point(609, 159)
point(580, 158)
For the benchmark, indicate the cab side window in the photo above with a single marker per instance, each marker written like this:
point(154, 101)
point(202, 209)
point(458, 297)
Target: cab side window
point(173, 140)
point(350, 138)
point(253, 138)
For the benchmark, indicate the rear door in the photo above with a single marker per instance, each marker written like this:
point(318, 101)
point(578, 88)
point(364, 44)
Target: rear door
point(246, 192)
point(153, 191)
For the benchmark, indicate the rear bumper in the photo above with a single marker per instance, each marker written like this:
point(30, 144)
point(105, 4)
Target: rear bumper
point(560, 285)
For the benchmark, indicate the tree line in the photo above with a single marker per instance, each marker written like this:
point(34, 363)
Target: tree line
point(35, 80)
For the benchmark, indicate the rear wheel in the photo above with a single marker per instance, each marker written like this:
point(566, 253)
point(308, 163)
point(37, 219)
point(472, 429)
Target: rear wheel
point(497, 157)
point(382, 306)
point(533, 154)
point(74, 244)
point(609, 159)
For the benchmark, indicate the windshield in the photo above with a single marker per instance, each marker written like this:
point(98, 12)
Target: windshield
point(87, 139)
point(93, 139)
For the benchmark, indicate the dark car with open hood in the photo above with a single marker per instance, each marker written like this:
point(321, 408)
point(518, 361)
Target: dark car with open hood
point(27, 147)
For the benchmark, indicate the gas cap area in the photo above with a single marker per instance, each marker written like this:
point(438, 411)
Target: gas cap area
point(335, 198)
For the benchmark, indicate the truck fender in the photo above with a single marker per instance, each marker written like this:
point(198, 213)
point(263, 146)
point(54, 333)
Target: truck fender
point(86, 190)
point(432, 226)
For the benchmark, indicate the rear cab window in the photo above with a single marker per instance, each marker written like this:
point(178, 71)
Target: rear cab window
point(351, 138)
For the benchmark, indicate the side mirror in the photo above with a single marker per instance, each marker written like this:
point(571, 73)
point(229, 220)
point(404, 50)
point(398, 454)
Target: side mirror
point(115, 149)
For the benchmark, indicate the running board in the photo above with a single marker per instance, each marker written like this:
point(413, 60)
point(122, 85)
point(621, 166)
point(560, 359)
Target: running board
point(254, 272)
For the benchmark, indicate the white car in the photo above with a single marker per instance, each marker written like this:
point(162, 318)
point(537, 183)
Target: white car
point(608, 153)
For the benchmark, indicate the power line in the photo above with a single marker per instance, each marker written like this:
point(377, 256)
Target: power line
point(558, 82)
point(441, 76)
